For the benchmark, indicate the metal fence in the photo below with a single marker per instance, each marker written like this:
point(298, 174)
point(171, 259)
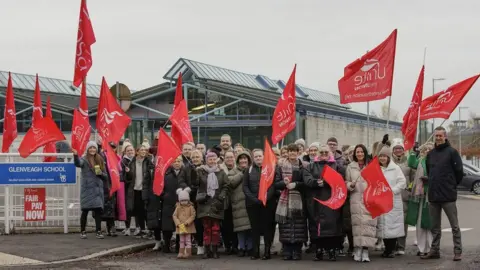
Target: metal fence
point(62, 201)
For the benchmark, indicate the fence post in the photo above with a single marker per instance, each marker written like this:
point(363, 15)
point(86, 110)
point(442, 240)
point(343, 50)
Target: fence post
point(7, 210)
point(65, 208)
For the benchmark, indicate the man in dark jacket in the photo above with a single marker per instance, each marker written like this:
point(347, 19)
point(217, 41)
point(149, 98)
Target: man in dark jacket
point(445, 172)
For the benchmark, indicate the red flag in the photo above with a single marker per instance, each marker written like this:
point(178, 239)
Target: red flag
point(443, 103)
point(44, 131)
point(9, 118)
point(180, 121)
point(51, 146)
point(284, 118)
point(338, 188)
point(175, 132)
point(85, 39)
point(378, 197)
point(112, 164)
point(410, 119)
point(370, 77)
point(80, 132)
point(268, 172)
point(167, 152)
point(112, 121)
point(37, 103)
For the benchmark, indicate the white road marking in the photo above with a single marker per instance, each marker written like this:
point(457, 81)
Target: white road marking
point(475, 197)
point(413, 229)
point(8, 259)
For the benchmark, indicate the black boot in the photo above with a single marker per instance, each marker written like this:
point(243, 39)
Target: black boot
point(318, 255)
point(332, 256)
point(267, 254)
point(255, 254)
point(208, 253)
point(297, 256)
point(166, 247)
point(241, 253)
point(215, 252)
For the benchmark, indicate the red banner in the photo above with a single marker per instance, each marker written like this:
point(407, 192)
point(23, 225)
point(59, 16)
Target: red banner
point(442, 104)
point(338, 188)
point(410, 120)
point(268, 172)
point(181, 123)
point(10, 118)
point(85, 39)
point(284, 116)
point(44, 131)
point(34, 204)
point(378, 196)
point(167, 152)
point(370, 77)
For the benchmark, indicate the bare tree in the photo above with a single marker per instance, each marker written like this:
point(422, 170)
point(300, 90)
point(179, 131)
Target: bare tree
point(394, 115)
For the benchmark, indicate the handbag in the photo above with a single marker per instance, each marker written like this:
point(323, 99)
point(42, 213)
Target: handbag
point(426, 221)
point(412, 211)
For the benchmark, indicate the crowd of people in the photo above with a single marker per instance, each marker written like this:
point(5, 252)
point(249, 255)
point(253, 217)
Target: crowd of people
point(210, 199)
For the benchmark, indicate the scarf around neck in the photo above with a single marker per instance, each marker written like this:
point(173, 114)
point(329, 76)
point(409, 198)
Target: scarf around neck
point(212, 180)
point(290, 202)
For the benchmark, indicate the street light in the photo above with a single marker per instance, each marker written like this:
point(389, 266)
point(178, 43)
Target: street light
point(433, 93)
point(460, 129)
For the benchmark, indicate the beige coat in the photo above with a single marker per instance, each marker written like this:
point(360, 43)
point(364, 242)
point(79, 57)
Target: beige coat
point(364, 228)
point(185, 214)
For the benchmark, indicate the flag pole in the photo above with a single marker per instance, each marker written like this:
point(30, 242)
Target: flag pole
point(368, 123)
point(388, 113)
point(421, 98)
point(431, 136)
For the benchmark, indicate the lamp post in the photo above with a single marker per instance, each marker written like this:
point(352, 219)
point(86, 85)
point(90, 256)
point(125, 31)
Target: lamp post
point(460, 129)
point(433, 93)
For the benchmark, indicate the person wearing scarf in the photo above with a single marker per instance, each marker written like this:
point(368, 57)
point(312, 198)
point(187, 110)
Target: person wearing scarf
point(212, 191)
point(419, 195)
point(325, 224)
point(290, 213)
point(127, 196)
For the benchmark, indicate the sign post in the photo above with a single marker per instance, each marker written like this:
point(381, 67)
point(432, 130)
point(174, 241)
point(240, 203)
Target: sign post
point(34, 204)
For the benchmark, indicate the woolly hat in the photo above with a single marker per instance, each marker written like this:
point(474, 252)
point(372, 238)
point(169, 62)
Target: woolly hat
point(211, 154)
point(397, 142)
point(183, 194)
point(125, 145)
point(387, 151)
point(301, 142)
point(92, 144)
point(315, 144)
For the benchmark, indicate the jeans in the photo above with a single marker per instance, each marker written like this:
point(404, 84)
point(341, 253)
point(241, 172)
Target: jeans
point(450, 209)
point(98, 219)
point(245, 240)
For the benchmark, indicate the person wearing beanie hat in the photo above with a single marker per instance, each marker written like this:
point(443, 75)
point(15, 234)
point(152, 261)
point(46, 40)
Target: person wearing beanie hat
point(184, 217)
point(399, 156)
point(312, 152)
point(92, 177)
point(301, 144)
point(390, 225)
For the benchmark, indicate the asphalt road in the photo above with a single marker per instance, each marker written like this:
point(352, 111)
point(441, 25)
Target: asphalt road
point(468, 207)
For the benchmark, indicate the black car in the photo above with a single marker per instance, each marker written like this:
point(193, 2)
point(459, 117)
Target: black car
point(471, 178)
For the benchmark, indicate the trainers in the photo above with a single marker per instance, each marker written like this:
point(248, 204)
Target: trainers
point(127, 232)
point(365, 257)
point(99, 235)
point(137, 232)
point(379, 247)
point(140, 235)
point(83, 235)
point(431, 255)
point(200, 250)
point(158, 245)
point(357, 254)
point(457, 257)
point(400, 252)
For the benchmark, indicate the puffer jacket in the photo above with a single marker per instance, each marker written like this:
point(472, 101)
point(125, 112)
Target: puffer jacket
point(390, 225)
point(237, 197)
point(409, 174)
point(322, 220)
point(364, 227)
point(294, 230)
point(212, 207)
point(91, 185)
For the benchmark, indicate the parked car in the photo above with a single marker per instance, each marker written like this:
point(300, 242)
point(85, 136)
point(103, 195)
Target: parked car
point(471, 178)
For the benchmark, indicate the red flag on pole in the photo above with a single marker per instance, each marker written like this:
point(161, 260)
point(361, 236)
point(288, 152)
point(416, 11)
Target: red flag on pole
point(85, 39)
point(9, 118)
point(410, 119)
point(44, 131)
point(37, 103)
point(284, 116)
point(370, 77)
point(112, 121)
point(112, 164)
point(167, 152)
point(81, 129)
point(378, 196)
point(337, 187)
point(268, 172)
point(181, 123)
point(442, 104)
point(51, 146)
point(177, 134)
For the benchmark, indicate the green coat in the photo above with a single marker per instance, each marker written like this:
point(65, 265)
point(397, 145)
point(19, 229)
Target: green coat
point(212, 207)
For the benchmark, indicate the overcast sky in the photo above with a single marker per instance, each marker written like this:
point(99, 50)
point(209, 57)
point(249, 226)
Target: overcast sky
point(138, 41)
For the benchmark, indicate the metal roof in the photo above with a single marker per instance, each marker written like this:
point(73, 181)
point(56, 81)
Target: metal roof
point(213, 73)
point(58, 86)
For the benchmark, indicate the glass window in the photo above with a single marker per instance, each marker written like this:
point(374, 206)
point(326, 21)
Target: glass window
point(252, 111)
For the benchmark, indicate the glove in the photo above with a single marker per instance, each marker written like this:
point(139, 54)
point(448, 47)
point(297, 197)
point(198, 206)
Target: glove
point(291, 185)
point(415, 148)
point(385, 139)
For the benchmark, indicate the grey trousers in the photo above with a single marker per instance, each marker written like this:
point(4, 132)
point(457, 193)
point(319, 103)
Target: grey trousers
point(450, 209)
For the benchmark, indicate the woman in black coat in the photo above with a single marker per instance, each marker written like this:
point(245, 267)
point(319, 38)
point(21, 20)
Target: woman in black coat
point(325, 224)
point(290, 213)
